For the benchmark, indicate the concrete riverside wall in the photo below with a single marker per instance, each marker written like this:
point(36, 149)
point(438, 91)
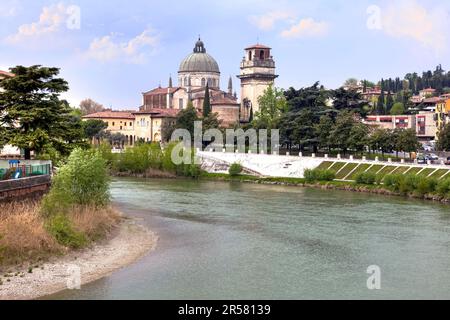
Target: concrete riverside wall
point(264, 165)
point(24, 188)
point(280, 166)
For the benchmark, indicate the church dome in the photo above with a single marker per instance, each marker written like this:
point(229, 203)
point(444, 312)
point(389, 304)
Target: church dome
point(199, 61)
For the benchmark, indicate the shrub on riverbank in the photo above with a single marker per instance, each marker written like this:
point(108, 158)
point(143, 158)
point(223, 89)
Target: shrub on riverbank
point(319, 175)
point(235, 169)
point(145, 158)
point(368, 178)
point(80, 192)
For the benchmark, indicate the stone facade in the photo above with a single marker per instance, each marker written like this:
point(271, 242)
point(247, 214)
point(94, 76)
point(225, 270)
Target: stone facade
point(257, 74)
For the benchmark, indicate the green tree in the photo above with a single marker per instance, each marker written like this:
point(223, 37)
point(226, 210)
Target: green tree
point(380, 104)
point(323, 131)
point(381, 140)
point(443, 143)
point(358, 139)
point(348, 99)
point(186, 119)
point(389, 102)
point(92, 128)
point(341, 132)
point(207, 103)
point(406, 141)
point(31, 109)
point(272, 105)
point(398, 109)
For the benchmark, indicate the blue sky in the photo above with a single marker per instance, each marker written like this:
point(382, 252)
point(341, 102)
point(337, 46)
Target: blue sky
point(114, 50)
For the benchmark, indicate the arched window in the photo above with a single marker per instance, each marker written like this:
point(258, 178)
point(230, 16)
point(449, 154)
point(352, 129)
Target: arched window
point(186, 82)
point(203, 82)
point(261, 55)
point(250, 56)
point(210, 83)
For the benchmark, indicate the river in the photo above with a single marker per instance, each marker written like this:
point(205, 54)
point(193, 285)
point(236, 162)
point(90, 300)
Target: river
point(222, 240)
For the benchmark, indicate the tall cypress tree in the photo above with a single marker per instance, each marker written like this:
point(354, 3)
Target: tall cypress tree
point(381, 100)
point(389, 102)
point(206, 103)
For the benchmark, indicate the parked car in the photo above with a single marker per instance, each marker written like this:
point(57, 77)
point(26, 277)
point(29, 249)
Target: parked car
point(433, 157)
point(422, 159)
point(428, 148)
point(447, 162)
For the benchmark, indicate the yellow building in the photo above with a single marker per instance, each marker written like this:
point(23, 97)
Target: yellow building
point(442, 114)
point(139, 126)
point(118, 122)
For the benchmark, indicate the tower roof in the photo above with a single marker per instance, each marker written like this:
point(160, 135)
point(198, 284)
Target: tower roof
point(258, 46)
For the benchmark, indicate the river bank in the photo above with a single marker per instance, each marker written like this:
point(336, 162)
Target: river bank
point(129, 242)
point(294, 182)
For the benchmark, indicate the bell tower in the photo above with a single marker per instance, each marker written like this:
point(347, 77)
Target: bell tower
point(257, 74)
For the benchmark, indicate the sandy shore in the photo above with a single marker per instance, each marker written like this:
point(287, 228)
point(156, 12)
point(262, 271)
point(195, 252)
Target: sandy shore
point(130, 242)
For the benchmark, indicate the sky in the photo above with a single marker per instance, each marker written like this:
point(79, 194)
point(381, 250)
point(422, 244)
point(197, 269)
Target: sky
point(112, 51)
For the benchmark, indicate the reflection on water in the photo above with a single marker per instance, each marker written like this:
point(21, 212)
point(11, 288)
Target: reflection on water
point(243, 241)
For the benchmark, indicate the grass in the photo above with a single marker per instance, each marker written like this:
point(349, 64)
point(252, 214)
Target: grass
point(325, 165)
point(438, 174)
point(414, 170)
point(375, 168)
point(361, 169)
point(426, 172)
point(337, 166)
point(346, 170)
point(25, 235)
point(386, 170)
point(401, 170)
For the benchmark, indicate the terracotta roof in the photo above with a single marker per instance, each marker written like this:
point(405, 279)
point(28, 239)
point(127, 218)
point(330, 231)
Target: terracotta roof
point(428, 90)
point(111, 115)
point(162, 90)
point(157, 112)
point(257, 46)
point(6, 74)
point(432, 100)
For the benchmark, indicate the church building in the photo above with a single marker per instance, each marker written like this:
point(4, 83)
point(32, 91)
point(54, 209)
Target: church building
point(197, 71)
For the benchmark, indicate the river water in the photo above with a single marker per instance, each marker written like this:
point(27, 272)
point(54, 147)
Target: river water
point(223, 240)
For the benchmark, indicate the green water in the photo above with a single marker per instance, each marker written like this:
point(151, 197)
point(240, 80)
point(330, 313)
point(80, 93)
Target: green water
point(244, 241)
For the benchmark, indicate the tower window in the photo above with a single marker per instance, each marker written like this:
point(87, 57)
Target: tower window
point(261, 55)
point(250, 56)
point(203, 82)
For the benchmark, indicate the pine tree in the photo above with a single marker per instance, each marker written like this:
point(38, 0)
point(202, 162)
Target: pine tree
point(381, 100)
point(34, 115)
point(250, 119)
point(206, 103)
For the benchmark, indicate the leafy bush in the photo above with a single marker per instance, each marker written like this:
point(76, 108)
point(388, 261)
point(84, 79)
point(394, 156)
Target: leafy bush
point(84, 180)
point(411, 183)
point(60, 228)
point(443, 188)
point(235, 169)
point(368, 178)
point(319, 175)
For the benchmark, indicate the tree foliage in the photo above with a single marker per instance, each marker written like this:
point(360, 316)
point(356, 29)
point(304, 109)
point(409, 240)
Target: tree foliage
point(34, 116)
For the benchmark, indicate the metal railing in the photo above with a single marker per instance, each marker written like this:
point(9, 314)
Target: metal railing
point(24, 171)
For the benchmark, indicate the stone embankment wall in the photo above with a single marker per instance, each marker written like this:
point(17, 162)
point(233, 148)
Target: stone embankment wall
point(24, 188)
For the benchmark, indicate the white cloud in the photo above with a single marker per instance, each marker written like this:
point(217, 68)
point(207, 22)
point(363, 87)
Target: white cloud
point(267, 21)
point(51, 20)
point(306, 28)
point(136, 50)
point(9, 9)
point(411, 20)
